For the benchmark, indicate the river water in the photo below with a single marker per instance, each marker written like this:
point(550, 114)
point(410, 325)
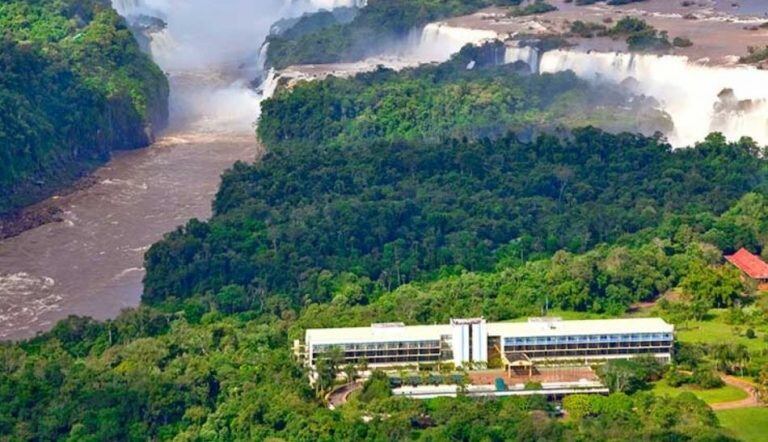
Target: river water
point(91, 263)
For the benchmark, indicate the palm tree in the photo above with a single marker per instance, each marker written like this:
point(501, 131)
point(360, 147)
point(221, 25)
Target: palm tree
point(741, 354)
point(350, 371)
point(723, 356)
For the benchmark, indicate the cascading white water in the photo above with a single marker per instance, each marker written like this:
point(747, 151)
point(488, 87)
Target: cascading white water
point(527, 54)
point(700, 99)
point(262, 60)
point(202, 34)
point(208, 50)
point(433, 43)
point(269, 86)
point(438, 41)
point(127, 7)
point(133, 8)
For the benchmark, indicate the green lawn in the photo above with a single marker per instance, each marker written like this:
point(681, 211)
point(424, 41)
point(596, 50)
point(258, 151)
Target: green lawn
point(747, 424)
point(713, 396)
point(715, 331)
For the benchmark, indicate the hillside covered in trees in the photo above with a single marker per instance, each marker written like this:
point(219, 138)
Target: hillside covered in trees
point(218, 365)
point(73, 87)
point(412, 216)
point(380, 23)
point(388, 178)
point(433, 103)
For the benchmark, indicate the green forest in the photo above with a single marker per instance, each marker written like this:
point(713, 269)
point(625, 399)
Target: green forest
point(419, 196)
point(73, 86)
point(380, 23)
point(432, 103)
point(392, 191)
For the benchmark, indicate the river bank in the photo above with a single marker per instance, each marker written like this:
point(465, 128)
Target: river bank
point(44, 212)
point(90, 263)
point(82, 252)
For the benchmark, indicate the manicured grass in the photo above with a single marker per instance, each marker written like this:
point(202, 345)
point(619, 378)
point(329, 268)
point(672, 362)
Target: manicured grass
point(726, 393)
point(747, 424)
point(716, 331)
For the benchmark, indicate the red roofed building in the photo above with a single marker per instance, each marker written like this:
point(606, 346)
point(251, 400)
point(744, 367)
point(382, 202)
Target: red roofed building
point(751, 264)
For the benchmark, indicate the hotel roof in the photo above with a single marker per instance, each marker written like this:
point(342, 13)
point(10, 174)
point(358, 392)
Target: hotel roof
point(377, 333)
point(398, 332)
point(749, 263)
point(544, 327)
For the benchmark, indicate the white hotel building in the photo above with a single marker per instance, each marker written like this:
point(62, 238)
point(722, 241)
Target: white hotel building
point(517, 344)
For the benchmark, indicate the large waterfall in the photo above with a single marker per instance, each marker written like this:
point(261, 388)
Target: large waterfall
point(438, 41)
point(202, 33)
point(526, 54)
point(699, 98)
point(127, 7)
point(210, 48)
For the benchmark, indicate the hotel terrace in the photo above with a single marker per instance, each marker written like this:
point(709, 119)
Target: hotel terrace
point(473, 342)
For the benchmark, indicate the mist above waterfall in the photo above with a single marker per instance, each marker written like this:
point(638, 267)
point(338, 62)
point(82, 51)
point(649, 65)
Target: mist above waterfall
point(223, 39)
point(202, 34)
point(436, 42)
point(211, 51)
point(700, 99)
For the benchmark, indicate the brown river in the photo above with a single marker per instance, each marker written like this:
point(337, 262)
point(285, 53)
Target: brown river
point(91, 263)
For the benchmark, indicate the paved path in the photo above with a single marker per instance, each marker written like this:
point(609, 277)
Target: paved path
point(749, 401)
point(340, 395)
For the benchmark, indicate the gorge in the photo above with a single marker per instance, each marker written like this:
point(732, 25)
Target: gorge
point(373, 173)
point(141, 195)
point(90, 263)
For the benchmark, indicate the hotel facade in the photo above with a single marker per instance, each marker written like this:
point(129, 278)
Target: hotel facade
point(471, 342)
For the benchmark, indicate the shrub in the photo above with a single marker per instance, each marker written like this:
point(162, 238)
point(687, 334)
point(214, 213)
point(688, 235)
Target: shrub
point(676, 378)
point(378, 386)
point(640, 35)
point(537, 7)
point(532, 385)
point(682, 42)
point(756, 55)
point(587, 29)
point(707, 378)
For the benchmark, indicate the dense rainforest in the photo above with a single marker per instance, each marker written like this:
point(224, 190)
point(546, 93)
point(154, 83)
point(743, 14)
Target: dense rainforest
point(379, 24)
point(218, 365)
point(384, 177)
point(345, 222)
point(73, 87)
point(432, 103)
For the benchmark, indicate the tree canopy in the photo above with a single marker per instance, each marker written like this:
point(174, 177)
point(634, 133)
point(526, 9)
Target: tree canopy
point(378, 24)
point(73, 86)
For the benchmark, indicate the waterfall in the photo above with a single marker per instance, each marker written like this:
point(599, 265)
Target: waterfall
point(269, 86)
point(127, 7)
point(163, 47)
point(438, 41)
point(526, 54)
point(435, 42)
point(133, 8)
point(700, 99)
point(262, 58)
point(207, 49)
